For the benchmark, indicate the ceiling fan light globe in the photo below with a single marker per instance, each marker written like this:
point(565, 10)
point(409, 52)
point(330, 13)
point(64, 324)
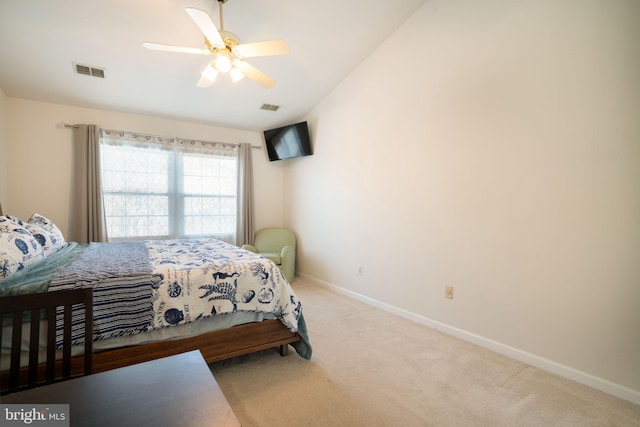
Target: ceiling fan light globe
point(223, 63)
point(236, 75)
point(210, 73)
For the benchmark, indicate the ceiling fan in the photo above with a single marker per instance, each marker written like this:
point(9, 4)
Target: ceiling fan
point(229, 54)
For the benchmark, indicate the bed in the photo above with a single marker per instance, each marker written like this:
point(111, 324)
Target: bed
point(156, 298)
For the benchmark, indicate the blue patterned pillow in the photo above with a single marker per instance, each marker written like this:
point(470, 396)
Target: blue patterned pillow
point(12, 218)
point(46, 233)
point(18, 247)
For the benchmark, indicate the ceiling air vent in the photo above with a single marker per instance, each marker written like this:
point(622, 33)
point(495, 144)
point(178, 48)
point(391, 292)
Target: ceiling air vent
point(88, 70)
point(269, 107)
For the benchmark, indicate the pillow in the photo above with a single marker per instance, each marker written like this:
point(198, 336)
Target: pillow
point(46, 233)
point(13, 218)
point(18, 247)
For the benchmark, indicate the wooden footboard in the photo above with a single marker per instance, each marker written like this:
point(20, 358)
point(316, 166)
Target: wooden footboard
point(214, 346)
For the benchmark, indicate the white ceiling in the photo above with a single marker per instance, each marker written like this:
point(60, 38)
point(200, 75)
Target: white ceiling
point(40, 39)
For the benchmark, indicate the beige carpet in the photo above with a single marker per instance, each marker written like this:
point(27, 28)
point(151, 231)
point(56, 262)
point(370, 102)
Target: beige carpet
point(371, 368)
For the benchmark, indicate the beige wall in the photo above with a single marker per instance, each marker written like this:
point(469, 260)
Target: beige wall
point(39, 156)
point(493, 146)
point(3, 150)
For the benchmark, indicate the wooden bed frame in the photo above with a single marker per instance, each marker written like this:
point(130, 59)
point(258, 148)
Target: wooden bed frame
point(214, 346)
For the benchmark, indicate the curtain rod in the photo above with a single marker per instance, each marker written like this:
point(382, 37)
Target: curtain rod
point(67, 125)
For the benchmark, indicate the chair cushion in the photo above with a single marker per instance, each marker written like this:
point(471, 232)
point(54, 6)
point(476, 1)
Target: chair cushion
point(273, 256)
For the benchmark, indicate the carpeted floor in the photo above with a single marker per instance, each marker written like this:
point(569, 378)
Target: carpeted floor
point(371, 368)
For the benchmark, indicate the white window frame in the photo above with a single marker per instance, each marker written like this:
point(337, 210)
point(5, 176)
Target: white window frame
point(176, 149)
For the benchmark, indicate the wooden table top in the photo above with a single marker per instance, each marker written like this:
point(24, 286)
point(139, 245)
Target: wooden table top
point(177, 390)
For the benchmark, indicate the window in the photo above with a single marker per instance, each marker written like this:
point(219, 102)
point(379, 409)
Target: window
point(157, 188)
point(209, 195)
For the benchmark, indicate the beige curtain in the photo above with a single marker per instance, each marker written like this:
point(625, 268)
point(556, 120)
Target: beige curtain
point(87, 210)
point(244, 231)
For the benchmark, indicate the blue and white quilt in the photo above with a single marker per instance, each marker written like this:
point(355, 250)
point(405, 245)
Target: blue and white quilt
point(140, 286)
point(205, 277)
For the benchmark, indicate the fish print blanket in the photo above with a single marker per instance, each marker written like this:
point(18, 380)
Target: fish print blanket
point(206, 277)
point(140, 286)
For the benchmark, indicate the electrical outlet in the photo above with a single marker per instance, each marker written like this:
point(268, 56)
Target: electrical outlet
point(448, 292)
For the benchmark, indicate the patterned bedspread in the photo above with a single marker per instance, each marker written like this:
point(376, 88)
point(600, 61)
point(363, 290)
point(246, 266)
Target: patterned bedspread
point(205, 277)
point(171, 282)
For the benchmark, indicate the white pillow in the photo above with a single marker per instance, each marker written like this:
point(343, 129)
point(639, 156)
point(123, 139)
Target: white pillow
point(18, 247)
point(46, 233)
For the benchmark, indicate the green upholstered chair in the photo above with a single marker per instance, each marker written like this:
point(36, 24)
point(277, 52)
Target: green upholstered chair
point(278, 245)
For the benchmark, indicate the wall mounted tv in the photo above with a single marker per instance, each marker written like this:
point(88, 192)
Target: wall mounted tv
point(287, 142)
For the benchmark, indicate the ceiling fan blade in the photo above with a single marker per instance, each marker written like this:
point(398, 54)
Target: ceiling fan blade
point(254, 74)
point(204, 22)
point(266, 48)
point(179, 49)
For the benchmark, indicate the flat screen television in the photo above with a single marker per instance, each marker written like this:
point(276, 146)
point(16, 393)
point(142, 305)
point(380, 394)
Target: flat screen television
point(287, 142)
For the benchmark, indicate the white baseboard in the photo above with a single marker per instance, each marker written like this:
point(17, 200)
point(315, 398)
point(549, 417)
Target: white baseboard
point(523, 356)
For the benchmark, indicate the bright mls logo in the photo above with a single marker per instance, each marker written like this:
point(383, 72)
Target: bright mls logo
point(36, 415)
